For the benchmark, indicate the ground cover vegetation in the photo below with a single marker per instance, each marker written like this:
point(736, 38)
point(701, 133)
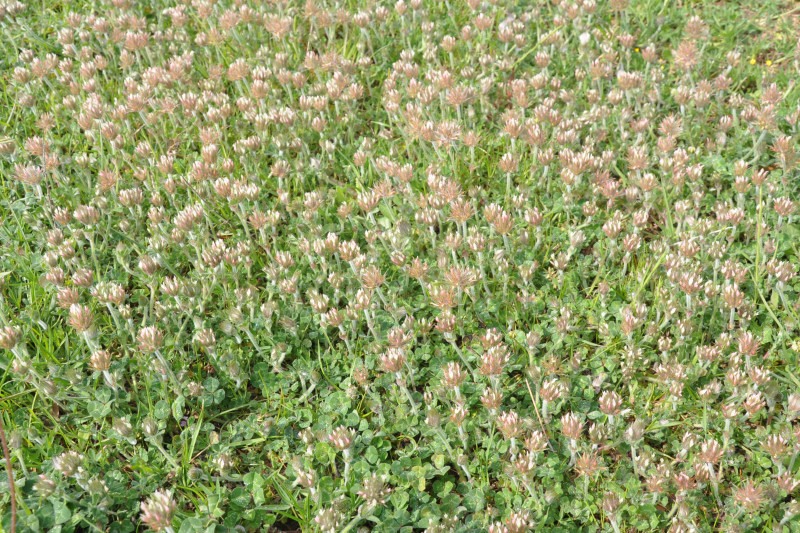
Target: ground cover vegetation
point(406, 265)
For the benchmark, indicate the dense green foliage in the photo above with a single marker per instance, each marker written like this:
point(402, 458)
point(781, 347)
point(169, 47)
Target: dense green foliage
point(424, 265)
